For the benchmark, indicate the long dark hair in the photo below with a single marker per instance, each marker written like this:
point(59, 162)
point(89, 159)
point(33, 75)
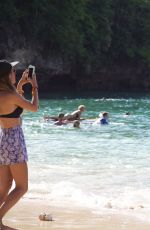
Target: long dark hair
point(5, 70)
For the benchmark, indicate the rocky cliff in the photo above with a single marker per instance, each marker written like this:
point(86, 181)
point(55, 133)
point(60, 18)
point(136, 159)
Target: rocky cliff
point(54, 74)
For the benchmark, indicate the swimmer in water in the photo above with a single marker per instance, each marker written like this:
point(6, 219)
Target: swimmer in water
point(127, 114)
point(103, 119)
point(76, 124)
point(76, 115)
point(54, 118)
point(60, 120)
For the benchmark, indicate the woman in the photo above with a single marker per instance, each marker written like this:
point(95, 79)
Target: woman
point(13, 155)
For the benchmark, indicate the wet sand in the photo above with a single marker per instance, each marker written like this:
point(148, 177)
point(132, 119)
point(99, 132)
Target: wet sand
point(24, 216)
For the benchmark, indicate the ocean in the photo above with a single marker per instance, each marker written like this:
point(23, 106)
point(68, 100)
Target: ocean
point(101, 168)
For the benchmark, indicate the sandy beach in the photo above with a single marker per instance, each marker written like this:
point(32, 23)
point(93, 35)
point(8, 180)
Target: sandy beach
point(24, 216)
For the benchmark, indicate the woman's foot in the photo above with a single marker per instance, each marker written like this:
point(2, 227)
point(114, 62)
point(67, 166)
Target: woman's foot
point(4, 227)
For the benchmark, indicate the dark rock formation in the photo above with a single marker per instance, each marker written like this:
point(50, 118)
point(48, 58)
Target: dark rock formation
point(117, 77)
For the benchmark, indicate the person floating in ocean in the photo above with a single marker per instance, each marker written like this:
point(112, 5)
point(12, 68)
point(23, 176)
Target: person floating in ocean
point(67, 116)
point(76, 115)
point(76, 124)
point(61, 120)
point(103, 119)
point(127, 113)
point(13, 153)
point(53, 118)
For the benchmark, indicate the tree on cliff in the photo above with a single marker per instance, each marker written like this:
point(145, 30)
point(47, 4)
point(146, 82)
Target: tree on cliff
point(81, 32)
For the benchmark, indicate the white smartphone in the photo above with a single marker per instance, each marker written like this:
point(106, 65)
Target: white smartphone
point(31, 70)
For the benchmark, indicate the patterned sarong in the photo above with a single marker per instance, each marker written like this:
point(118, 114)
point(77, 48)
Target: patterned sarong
point(12, 146)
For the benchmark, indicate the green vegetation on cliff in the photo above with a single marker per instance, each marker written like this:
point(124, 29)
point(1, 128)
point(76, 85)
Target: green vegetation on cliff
point(81, 32)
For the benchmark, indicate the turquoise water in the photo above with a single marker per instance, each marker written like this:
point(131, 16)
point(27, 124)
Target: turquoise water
point(98, 167)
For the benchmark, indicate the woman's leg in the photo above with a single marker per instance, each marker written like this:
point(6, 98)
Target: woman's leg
point(19, 173)
point(5, 182)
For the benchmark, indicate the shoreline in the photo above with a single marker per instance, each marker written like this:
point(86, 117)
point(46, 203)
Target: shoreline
point(24, 216)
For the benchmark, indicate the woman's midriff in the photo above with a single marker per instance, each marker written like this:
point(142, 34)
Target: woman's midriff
point(9, 122)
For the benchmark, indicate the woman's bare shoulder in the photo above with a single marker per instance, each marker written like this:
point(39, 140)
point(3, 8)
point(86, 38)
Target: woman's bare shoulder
point(8, 95)
point(6, 99)
point(5, 94)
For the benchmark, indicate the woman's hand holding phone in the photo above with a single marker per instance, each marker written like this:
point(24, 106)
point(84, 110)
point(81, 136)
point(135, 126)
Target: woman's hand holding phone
point(28, 76)
point(33, 81)
point(24, 79)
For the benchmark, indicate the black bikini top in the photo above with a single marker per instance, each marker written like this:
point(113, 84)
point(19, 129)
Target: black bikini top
point(15, 114)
